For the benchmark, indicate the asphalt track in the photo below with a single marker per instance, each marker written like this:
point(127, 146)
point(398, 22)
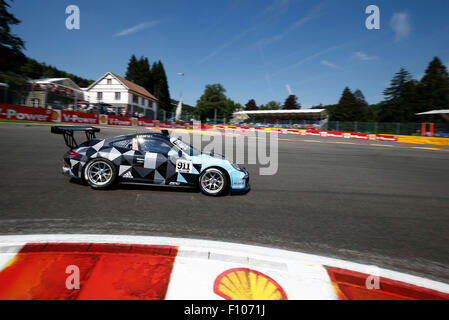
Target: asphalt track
point(380, 203)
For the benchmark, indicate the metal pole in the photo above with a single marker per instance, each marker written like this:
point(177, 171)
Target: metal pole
point(215, 116)
point(179, 107)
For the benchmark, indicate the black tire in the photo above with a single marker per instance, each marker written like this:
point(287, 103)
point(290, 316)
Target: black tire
point(104, 179)
point(209, 180)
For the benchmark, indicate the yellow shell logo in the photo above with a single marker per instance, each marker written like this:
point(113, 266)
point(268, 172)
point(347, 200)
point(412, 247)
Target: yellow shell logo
point(247, 284)
point(102, 119)
point(54, 115)
point(134, 122)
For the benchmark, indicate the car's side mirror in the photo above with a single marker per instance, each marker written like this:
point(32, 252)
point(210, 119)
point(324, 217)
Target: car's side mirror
point(180, 154)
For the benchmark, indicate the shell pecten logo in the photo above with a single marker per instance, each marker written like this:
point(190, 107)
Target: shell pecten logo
point(54, 115)
point(102, 119)
point(247, 284)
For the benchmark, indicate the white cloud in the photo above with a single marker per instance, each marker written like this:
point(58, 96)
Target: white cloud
point(226, 45)
point(307, 59)
point(330, 64)
point(400, 23)
point(364, 57)
point(278, 37)
point(136, 28)
point(311, 15)
point(280, 6)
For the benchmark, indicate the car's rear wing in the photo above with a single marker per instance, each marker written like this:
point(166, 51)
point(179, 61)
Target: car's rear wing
point(67, 133)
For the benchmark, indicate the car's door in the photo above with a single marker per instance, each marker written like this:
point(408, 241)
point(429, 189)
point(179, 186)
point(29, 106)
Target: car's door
point(157, 159)
point(132, 161)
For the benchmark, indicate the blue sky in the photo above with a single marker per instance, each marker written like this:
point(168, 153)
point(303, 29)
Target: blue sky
point(255, 49)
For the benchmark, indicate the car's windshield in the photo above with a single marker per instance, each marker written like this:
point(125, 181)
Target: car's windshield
point(191, 151)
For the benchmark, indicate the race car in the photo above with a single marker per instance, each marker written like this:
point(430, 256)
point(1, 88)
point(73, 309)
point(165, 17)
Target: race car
point(148, 158)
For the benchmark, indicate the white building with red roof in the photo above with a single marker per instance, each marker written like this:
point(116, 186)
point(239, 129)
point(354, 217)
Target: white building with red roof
point(121, 96)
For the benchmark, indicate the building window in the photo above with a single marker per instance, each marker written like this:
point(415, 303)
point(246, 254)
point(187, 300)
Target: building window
point(35, 102)
point(99, 95)
point(135, 98)
point(109, 81)
point(117, 96)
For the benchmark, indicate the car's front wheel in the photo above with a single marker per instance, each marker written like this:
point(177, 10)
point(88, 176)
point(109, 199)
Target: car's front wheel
point(213, 182)
point(100, 174)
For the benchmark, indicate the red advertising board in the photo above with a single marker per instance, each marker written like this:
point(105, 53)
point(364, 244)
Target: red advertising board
point(79, 117)
point(145, 122)
point(13, 112)
point(119, 121)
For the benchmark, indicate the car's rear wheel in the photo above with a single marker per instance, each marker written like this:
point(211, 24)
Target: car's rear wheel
point(213, 182)
point(100, 174)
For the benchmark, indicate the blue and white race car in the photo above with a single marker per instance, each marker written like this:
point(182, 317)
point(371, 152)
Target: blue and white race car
point(148, 158)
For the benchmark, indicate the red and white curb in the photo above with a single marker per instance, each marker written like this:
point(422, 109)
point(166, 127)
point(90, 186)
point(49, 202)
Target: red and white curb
point(138, 267)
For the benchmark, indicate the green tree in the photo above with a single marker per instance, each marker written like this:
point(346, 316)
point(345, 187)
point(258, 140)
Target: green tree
point(212, 99)
point(133, 69)
point(349, 108)
point(397, 84)
point(160, 83)
point(11, 56)
point(139, 72)
point(32, 69)
point(251, 105)
point(434, 87)
point(147, 75)
point(401, 99)
point(291, 103)
point(230, 108)
point(360, 97)
point(272, 105)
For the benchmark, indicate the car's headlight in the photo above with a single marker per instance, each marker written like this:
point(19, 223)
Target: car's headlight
point(236, 166)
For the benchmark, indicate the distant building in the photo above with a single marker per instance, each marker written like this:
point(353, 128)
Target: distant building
point(120, 96)
point(298, 118)
point(58, 93)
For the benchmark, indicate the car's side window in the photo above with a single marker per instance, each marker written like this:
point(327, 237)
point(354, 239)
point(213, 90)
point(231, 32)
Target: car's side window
point(155, 145)
point(127, 143)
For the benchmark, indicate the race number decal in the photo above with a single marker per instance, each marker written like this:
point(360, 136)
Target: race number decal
point(183, 166)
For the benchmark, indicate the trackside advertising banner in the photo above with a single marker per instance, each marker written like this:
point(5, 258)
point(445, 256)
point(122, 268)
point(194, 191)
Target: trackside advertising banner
point(119, 121)
point(78, 117)
point(14, 112)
